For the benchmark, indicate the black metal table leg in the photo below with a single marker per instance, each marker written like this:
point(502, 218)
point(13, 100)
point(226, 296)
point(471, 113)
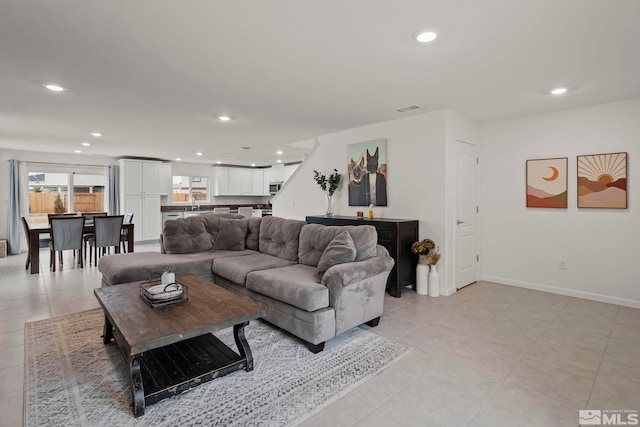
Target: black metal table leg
point(243, 345)
point(137, 388)
point(107, 332)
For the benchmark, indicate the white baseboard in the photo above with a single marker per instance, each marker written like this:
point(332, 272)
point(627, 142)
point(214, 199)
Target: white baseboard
point(562, 291)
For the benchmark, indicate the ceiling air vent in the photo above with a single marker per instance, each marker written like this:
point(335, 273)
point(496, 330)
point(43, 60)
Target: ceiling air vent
point(407, 108)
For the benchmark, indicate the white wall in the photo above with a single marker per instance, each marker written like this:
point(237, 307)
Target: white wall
point(416, 171)
point(522, 246)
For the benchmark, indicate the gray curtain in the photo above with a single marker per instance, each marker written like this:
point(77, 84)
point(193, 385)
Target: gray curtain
point(13, 210)
point(114, 190)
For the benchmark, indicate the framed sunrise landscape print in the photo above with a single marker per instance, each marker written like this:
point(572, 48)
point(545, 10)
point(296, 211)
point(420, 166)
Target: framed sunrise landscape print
point(602, 181)
point(547, 183)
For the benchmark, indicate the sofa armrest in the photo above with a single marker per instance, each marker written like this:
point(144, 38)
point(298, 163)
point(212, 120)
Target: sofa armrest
point(356, 289)
point(344, 274)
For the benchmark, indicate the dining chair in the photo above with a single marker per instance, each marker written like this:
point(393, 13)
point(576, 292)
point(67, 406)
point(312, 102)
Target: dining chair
point(221, 210)
point(89, 216)
point(128, 219)
point(66, 234)
point(60, 215)
point(107, 231)
point(44, 241)
point(245, 211)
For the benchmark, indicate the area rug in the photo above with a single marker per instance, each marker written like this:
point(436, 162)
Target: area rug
point(73, 379)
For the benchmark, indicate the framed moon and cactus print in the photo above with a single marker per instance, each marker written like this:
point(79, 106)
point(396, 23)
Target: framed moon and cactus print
point(547, 183)
point(602, 181)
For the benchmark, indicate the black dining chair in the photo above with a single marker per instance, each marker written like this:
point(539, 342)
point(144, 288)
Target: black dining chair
point(128, 219)
point(44, 241)
point(107, 232)
point(66, 234)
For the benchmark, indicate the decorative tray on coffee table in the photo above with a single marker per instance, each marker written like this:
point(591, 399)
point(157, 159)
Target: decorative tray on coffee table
point(155, 294)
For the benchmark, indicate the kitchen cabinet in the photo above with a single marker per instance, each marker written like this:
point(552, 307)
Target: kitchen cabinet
point(277, 173)
point(171, 215)
point(289, 170)
point(267, 180)
point(257, 187)
point(140, 191)
point(221, 185)
point(166, 179)
point(240, 182)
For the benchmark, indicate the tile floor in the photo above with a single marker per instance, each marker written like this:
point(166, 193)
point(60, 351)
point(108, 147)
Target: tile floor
point(490, 355)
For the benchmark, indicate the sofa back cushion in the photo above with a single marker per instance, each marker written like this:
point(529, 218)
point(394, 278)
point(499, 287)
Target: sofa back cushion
point(194, 234)
point(231, 234)
point(314, 239)
point(339, 251)
point(186, 235)
point(253, 233)
point(280, 237)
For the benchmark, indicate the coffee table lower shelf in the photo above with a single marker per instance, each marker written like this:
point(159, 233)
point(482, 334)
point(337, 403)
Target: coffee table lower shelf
point(173, 369)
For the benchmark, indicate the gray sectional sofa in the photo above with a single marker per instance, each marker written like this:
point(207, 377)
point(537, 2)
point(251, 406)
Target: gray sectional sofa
point(314, 281)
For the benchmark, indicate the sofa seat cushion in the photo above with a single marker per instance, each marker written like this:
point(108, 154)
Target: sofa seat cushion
point(297, 285)
point(236, 270)
point(133, 267)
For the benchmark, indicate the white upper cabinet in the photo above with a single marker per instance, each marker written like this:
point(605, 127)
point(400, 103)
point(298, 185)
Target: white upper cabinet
point(257, 187)
point(277, 173)
point(166, 181)
point(289, 170)
point(221, 186)
point(140, 177)
point(240, 182)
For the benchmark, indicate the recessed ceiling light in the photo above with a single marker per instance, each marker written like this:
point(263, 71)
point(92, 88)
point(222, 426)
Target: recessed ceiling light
point(279, 152)
point(279, 161)
point(224, 118)
point(426, 36)
point(178, 159)
point(86, 144)
point(54, 87)
point(559, 91)
point(198, 154)
point(96, 134)
point(78, 151)
point(219, 162)
point(253, 165)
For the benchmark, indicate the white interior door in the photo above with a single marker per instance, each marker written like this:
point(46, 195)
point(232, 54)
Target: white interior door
point(466, 212)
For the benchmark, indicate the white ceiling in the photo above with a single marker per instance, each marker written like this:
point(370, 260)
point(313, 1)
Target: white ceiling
point(152, 75)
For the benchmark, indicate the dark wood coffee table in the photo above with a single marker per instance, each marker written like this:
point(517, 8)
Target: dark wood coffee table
point(171, 349)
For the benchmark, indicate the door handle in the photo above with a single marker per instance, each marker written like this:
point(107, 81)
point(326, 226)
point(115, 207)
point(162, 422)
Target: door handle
point(459, 222)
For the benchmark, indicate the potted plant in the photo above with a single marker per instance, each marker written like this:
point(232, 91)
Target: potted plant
point(168, 275)
point(422, 249)
point(329, 186)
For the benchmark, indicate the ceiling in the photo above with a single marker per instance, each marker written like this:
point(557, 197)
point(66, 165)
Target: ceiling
point(153, 75)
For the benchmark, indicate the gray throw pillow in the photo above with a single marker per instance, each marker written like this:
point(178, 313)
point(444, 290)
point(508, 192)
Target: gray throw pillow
point(231, 235)
point(339, 251)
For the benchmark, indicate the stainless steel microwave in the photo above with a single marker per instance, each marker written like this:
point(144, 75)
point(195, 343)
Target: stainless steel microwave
point(274, 187)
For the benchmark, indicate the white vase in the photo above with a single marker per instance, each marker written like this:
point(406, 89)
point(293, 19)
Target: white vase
point(434, 282)
point(168, 278)
point(422, 279)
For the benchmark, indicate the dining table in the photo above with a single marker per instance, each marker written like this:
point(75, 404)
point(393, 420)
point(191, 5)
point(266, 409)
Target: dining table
point(38, 230)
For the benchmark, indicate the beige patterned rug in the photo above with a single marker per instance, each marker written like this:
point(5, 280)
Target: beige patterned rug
point(72, 379)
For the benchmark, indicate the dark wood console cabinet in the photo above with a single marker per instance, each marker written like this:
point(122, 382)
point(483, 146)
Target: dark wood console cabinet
point(397, 235)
